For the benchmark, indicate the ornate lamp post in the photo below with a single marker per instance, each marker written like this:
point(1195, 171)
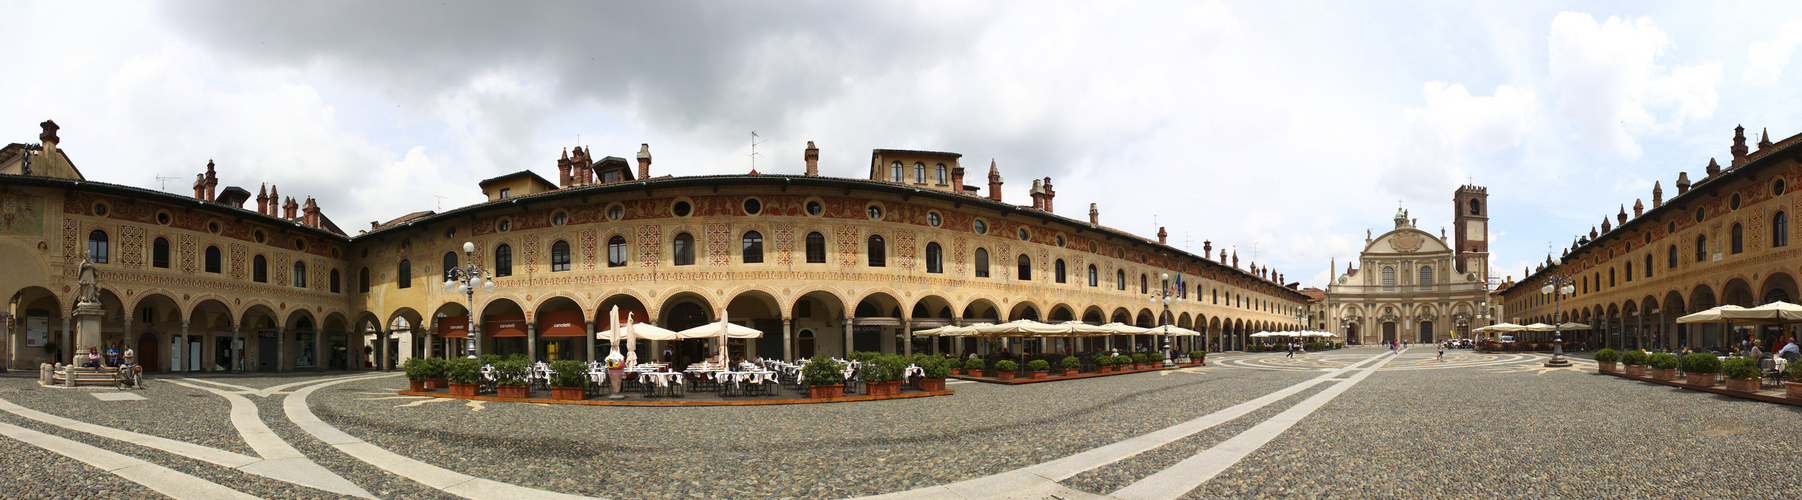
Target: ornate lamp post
point(464, 280)
point(1166, 295)
point(1561, 284)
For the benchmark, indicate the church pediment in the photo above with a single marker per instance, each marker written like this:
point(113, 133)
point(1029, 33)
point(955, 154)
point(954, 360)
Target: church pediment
point(1408, 241)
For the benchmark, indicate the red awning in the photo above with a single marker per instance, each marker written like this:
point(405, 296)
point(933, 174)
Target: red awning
point(504, 325)
point(453, 326)
point(562, 324)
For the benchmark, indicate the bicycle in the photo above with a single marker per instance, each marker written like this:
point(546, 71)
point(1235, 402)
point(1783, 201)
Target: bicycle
point(129, 376)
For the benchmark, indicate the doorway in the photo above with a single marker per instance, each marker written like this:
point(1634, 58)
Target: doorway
point(804, 345)
point(1388, 332)
point(1426, 332)
point(339, 351)
point(268, 352)
point(194, 350)
point(147, 352)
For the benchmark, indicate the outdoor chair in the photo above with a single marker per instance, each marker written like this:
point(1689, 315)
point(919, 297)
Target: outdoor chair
point(1767, 368)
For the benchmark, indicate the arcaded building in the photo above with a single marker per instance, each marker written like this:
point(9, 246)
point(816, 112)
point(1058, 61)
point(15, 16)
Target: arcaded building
point(821, 264)
point(1417, 286)
point(1723, 239)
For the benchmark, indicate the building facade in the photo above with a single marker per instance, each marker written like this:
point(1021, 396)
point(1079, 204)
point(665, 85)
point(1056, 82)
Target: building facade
point(822, 265)
point(1413, 285)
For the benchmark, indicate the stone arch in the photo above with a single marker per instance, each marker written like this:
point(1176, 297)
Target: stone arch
point(1060, 312)
point(1738, 292)
point(1778, 283)
point(981, 310)
point(779, 308)
point(932, 306)
point(819, 293)
point(1025, 309)
point(698, 298)
point(1121, 316)
point(689, 291)
point(1094, 315)
point(631, 308)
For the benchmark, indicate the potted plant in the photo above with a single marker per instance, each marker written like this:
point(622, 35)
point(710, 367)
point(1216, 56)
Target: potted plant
point(465, 376)
point(434, 373)
point(1699, 368)
point(1664, 366)
point(1123, 363)
point(416, 372)
point(510, 379)
point(1198, 358)
point(1104, 364)
point(954, 366)
point(1070, 364)
point(1636, 362)
point(1139, 360)
point(1742, 374)
point(1154, 360)
point(1005, 369)
point(936, 370)
point(1794, 389)
point(569, 380)
point(974, 367)
point(882, 375)
point(1039, 368)
point(1605, 359)
point(825, 377)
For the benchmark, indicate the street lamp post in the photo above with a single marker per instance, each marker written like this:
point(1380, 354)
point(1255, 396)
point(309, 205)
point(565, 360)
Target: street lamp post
point(1561, 284)
point(1166, 295)
point(464, 280)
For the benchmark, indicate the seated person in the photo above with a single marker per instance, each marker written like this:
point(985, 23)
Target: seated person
point(93, 358)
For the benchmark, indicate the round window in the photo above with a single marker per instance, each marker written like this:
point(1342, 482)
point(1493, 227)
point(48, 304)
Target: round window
point(1734, 202)
point(450, 232)
point(212, 227)
point(259, 236)
point(682, 209)
point(1700, 214)
point(300, 244)
point(1093, 248)
point(1024, 235)
point(615, 212)
point(814, 208)
point(1670, 227)
point(1777, 187)
point(559, 218)
point(163, 218)
point(100, 209)
point(365, 252)
point(406, 243)
point(752, 206)
point(981, 228)
point(1060, 240)
point(334, 253)
point(504, 225)
point(932, 218)
point(875, 212)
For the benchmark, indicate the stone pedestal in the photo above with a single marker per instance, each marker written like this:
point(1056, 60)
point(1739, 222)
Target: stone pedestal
point(87, 327)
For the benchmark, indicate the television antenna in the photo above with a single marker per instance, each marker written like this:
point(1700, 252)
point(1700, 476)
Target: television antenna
point(753, 155)
point(165, 181)
point(440, 202)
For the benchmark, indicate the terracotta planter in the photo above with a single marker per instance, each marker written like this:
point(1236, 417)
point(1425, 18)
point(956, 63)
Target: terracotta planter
point(567, 393)
point(957, 371)
point(1605, 367)
point(1667, 375)
point(1636, 370)
point(1793, 390)
point(973, 373)
point(1701, 379)
point(883, 388)
point(513, 391)
point(1742, 385)
point(416, 385)
point(1104, 369)
point(436, 383)
point(463, 389)
point(1005, 375)
point(932, 384)
point(1138, 366)
point(826, 391)
point(1069, 372)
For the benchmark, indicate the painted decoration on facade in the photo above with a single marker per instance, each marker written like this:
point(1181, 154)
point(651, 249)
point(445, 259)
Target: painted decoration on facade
point(21, 214)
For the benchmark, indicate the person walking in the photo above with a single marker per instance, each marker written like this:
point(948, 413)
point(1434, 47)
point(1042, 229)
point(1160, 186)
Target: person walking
point(1441, 356)
point(1291, 347)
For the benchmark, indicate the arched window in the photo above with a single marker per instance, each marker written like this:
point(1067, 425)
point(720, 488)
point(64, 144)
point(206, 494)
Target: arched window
point(1476, 207)
point(1738, 238)
point(212, 259)
point(1779, 230)
point(1119, 279)
point(1629, 269)
point(935, 258)
point(259, 269)
point(363, 280)
point(878, 253)
point(684, 254)
point(1673, 258)
point(1058, 269)
point(1144, 284)
point(1094, 277)
point(616, 251)
point(941, 171)
point(450, 263)
point(919, 173)
point(1702, 248)
point(334, 281)
point(159, 253)
point(503, 260)
point(982, 263)
point(1388, 276)
point(1025, 267)
point(752, 247)
point(404, 278)
point(816, 248)
point(1648, 265)
point(300, 274)
point(1426, 274)
point(97, 246)
point(898, 172)
point(560, 256)
point(1611, 277)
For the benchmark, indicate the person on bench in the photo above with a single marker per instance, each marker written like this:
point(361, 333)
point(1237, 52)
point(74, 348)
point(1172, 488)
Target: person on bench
point(93, 358)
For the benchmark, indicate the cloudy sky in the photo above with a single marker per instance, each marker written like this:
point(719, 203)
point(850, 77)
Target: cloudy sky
point(1282, 130)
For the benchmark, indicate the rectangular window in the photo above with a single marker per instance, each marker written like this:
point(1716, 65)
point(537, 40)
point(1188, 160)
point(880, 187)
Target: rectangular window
point(506, 193)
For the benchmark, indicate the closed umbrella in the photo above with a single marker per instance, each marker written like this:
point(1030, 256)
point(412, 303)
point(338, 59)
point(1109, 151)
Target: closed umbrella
point(631, 342)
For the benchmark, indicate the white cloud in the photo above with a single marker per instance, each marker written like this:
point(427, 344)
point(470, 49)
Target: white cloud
point(1608, 79)
point(1765, 59)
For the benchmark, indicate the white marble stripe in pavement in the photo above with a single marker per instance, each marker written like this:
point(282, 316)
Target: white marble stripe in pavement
point(280, 459)
point(1040, 480)
point(449, 481)
point(205, 454)
point(1185, 476)
point(156, 477)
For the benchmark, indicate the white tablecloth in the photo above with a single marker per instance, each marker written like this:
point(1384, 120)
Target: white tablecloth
point(913, 371)
point(750, 377)
point(662, 379)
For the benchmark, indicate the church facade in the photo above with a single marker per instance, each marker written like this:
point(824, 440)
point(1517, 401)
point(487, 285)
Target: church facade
point(1411, 285)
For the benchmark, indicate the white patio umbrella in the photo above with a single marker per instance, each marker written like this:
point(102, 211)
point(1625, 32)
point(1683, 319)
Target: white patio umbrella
point(1022, 328)
point(1175, 331)
point(631, 342)
point(723, 334)
point(1713, 315)
point(1538, 327)
point(1504, 328)
point(712, 330)
point(1573, 326)
point(1775, 312)
point(1085, 329)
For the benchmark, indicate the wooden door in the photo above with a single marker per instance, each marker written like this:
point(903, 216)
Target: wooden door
point(147, 352)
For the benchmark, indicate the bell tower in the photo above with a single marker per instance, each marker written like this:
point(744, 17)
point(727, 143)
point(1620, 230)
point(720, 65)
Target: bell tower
point(1470, 220)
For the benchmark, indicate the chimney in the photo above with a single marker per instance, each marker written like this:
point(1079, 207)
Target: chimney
point(1605, 226)
point(374, 224)
point(200, 186)
point(1714, 169)
point(1739, 146)
point(1657, 194)
point(1094, 215)
point(1682, 183)
point(1223, 257)
point(1038, 195)
point(311, 219)
point(263, 199)
point(1235, 259)
point(275, 199)
point(1049, 194)
point(994, 181)
point(644, 161)
point(48, 136)
point(1163, 236)
point(813, 160)
point(212, 180)
point(1764, 140)
point(583, 167)
point(1638, 208)
point(290, 209)
point(1207, 249)
point(957, 179)
point(563, 170)
point(1622, 217)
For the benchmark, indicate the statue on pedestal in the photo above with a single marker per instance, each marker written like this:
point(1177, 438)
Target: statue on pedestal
point(89, 278)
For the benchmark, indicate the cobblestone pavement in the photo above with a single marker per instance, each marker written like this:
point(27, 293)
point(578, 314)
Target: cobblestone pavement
point(1353, 423)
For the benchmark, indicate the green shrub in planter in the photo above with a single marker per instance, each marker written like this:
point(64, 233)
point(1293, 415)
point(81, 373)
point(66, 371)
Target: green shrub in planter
point(1070, 363)
point(510, 372)
point(1038, 365)
point(975, 364)
point(1123, 360)
point(936, 367)
point(1104, 361)
point(1740, 368)
point(1607, 356)
point(882, 369)
point(1139, 357)
point(464, 371)
point(1198, 355)
point(1156, 357)
point(1634, 357)
point(1795, 371)
point(415, 368)
point(435, 367)
point(1701, 362)
point(1662, 361)
point(823, 370)
point(861, 356)
point(569, 373)
point(1007, 365)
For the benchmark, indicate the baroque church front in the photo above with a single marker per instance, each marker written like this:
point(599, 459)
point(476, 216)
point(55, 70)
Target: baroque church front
point(1412, 285)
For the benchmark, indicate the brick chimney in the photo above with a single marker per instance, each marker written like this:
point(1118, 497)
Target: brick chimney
point(212, 180)
point(1038, 194)
point(1638, 208)
point(957, 179)
point(1207, 249)
point(311, 213)
point(1050, 194)
point(1764, 140)
point(1682, 183)
point(200, 186)
point(1094, 215)
point(583, 164)
point(1657, 194)
point(644, 161)
point(1605, 226)
point(994, 181)
point(1739, 147)
point(1235, 259)
point(563, 168)
point(1714, 169)
point(290, 209)
point(263, 199)
point(275, 199)
point(1163, 236)
point(1622, 217)
point(812, 156)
